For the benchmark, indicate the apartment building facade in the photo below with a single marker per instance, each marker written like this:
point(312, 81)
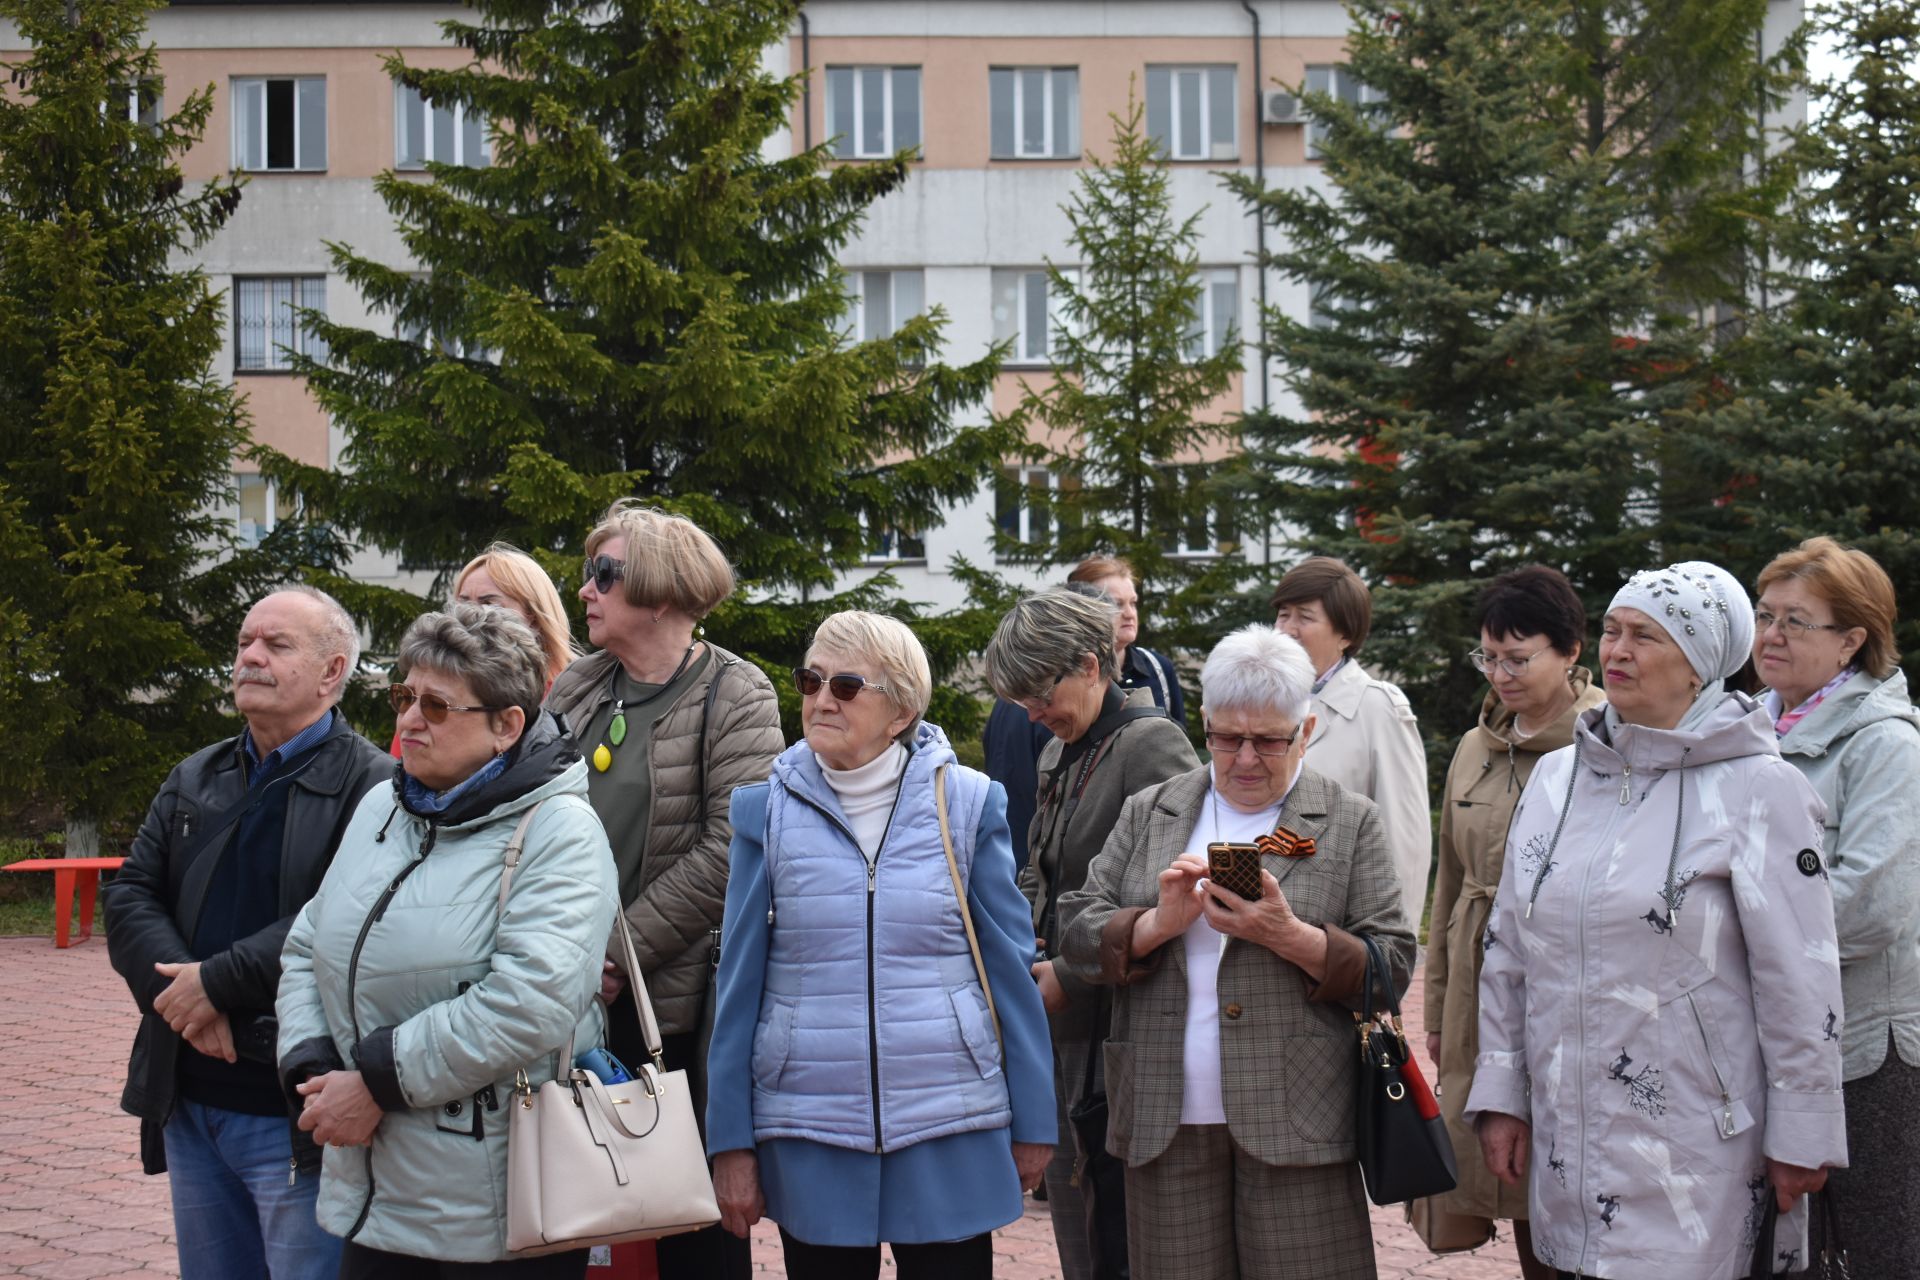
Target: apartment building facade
point(1007, 100)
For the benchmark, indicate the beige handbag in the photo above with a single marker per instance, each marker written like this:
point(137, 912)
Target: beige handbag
point(590, 1163)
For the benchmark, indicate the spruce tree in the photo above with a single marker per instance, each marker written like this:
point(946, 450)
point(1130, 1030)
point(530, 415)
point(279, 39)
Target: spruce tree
point(1121, 418)
point(636, 297)
point(1827, 440)
point(1530, 211)
point(116, 438)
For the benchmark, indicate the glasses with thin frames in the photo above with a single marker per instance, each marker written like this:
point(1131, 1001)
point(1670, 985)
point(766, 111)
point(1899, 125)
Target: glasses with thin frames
point(432, 705)
point(602, 572)
point(1485, 662)
point(846, 686)
point(1229, 744)
point(1793, 628)
point(1034, 706)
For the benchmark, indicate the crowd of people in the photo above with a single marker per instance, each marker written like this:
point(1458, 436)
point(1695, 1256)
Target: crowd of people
point(1672, 969)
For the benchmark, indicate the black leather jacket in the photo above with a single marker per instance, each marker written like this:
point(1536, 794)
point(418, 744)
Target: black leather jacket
point(153, 903)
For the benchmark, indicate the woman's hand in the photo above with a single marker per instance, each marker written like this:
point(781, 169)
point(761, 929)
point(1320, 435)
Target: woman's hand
point(1031, 1158)
point(612, 982)
point(1268, 922)
point(1177, 909)
point(736, 1185)
point(1505, 1142)
point(1433, 1050)
point(1790, 1182)
point(338, 1111)
point(1052, 994)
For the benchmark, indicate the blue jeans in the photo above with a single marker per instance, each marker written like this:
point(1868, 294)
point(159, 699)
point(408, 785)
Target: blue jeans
point(234, 1216)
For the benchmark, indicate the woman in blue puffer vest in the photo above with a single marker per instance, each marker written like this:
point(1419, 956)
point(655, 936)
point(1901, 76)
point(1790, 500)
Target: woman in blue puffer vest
point(860, 1089)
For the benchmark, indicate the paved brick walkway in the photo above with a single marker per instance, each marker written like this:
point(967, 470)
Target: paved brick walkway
point(74, 1205)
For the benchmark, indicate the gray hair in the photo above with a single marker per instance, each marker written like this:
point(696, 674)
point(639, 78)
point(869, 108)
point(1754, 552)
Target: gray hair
point(1258, 669)
point(337, 633)
point(492, 649)
point(888, 644)
point(1048, 634)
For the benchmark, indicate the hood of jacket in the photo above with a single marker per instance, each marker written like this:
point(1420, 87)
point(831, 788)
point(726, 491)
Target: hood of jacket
point(543, 755)
point(1735, 728)
point(1496, 731)
point(1859, 702)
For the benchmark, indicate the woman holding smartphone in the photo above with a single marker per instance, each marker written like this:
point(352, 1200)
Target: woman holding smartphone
point(1230, 1070)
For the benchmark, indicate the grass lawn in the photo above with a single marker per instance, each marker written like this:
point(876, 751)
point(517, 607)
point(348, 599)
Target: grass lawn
point(33, 914)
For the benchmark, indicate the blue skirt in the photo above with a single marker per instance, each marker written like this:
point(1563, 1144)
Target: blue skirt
point(947, 1188)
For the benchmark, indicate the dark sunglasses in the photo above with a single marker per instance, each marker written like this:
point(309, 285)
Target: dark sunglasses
point(602, 572)
point(432, 705)
point(845, 686)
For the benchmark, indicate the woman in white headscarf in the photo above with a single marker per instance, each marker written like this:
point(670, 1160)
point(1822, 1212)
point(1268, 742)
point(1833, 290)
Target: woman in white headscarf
point(1660, 1001)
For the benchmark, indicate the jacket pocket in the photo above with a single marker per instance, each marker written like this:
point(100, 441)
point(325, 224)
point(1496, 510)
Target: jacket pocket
point(1731, 1116)
point(1319, 1093)
point(773, 1046)
point(976, 1028)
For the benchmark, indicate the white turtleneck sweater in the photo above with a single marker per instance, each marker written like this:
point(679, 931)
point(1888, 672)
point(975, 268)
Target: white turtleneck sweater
point(866, 795)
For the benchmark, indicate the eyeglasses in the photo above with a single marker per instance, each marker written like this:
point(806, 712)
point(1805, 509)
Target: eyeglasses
point(1485, 662)
point(1229, 744)
point(1034, 706)
point(602, 572)
point(432, 705)
point(846, 686)
point(1793, 628)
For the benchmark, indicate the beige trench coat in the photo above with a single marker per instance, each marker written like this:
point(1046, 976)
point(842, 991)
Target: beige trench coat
point(1489, 771)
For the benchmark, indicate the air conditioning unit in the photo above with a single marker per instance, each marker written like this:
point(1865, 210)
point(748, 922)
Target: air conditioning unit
point(1278, 107)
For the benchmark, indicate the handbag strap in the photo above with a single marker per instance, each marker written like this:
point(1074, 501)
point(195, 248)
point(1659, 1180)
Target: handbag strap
point(960, 895)
point(1379, 974)
point(643, 1005)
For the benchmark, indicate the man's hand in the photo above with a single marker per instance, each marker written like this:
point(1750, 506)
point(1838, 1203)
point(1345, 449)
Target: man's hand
point(1030, 1160)
point(338, 1111)
point(1052, 994)
point(736, 1185)
point(215, 1039)
point(184, 1003)
point(1505, 1142)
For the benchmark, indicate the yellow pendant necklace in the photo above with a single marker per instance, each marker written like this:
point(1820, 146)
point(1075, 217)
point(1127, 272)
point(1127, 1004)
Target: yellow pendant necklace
point(617, 726)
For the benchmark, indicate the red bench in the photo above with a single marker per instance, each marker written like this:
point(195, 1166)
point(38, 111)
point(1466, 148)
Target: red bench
point(66, 873)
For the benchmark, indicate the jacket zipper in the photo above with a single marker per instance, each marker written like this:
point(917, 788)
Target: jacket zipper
point(1626, 782)
point(873, 1004)
point(353, 974)
point(1580, 908)
point(1726, 1099)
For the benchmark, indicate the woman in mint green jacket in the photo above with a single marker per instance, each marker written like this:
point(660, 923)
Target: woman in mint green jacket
point(1823, 645)
point(411, 994)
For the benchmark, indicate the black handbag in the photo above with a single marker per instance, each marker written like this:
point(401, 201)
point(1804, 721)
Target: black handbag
point(1101, 1177)
point(1404, 1149)
point(1831, 1264)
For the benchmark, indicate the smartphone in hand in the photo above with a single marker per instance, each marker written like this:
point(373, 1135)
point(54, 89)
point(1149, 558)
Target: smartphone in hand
point(1236, 868)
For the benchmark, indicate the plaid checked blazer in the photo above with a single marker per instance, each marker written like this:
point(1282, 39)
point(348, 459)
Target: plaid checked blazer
point(1287, 1044)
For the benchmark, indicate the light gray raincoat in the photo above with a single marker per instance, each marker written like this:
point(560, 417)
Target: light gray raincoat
point(1660, 996)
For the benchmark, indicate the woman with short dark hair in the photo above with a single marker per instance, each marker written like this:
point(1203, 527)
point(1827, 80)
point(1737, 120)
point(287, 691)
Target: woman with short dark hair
point(1532, 631)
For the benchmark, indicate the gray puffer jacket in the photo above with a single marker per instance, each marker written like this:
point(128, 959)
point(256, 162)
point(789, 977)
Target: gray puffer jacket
point(1660, 996)
point(404, 965)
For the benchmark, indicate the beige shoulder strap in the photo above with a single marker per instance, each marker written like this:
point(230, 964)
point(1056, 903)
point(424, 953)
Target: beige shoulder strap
point(959, 893)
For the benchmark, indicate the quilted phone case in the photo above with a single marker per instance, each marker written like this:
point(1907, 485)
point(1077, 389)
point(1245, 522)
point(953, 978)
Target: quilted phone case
point(1235, 867)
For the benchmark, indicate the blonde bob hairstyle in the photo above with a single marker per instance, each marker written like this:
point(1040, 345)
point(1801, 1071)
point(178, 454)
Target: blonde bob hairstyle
point(671, 561)
point(530, 591)
point(893, 650)
point(1854, 586)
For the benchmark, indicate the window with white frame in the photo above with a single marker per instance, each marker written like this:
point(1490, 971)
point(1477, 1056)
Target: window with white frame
point(1027, 313)
point(872, 111)
point(1192, 112)
point(1215, 316)
point(889, 544)
point(1025, 502)
point(141, 101)
point(267, 325)
point(1207, 526)
point(280, 123)
point(1035, 112)
point(260, 507)
point(1336, 80)
point(445, 134)
point(879, 302)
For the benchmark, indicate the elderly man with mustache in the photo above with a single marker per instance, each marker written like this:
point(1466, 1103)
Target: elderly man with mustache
point(231, 849)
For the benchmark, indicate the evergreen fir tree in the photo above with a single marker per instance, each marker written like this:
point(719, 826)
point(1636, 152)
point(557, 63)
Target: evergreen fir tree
point(1827, 441)
point(116, 439)
point(636, 297)
point(1125, 417)
point(1504, 336)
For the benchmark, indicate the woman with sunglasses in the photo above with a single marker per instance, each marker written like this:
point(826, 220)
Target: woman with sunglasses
point(411, 992)
point(1230, 1070)
point(1054, 657)
point(1531, 626)
point(880, 1069)
point(670, 724)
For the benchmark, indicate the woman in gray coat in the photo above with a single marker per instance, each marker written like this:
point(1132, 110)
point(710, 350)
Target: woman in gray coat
point(1054, 658)
point(1823, 645)
point(411, 994)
